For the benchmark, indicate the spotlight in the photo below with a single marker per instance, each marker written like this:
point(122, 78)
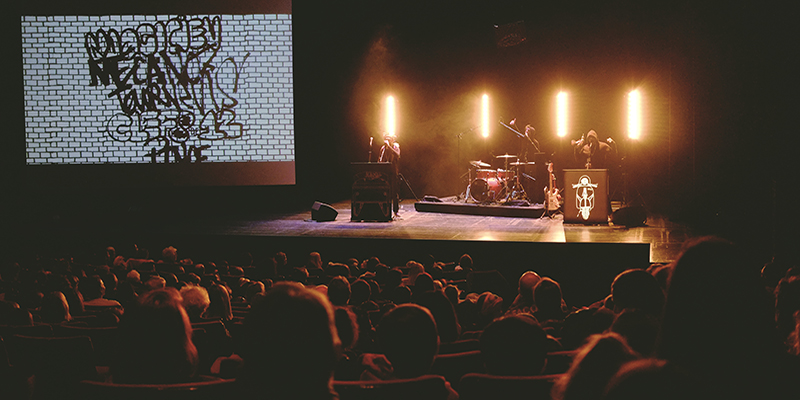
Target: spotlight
point(485, 115)
point(634, 115)
point(561, 114)
point(391, 121)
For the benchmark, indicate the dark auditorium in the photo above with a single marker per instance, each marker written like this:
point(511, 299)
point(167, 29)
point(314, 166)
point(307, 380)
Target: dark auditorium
point(399, 200)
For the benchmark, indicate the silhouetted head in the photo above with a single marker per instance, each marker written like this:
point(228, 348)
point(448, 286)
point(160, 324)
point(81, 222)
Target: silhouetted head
point(408, 337)
point(339, 291)
point(637, 289)
point(443, 313)
point(594, 365)
point(155, 341)
point(290, 344)
point(514, 345)
point(55, 309)
point(195, 301)
point(547, 297)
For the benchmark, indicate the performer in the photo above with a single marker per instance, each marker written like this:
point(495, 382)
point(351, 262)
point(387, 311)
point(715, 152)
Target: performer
point(390, 152)
point(591, 152)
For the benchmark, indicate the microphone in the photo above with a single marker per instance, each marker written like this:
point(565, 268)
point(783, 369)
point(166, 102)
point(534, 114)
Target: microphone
point(370, 141)
point(513, 121)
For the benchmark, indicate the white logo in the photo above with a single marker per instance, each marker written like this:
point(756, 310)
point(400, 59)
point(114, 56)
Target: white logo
point(584, 196)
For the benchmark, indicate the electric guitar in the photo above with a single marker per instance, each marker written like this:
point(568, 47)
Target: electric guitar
point(552, 197)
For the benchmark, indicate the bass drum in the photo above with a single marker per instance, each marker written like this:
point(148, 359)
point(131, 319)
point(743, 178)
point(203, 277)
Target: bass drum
point(486, 190)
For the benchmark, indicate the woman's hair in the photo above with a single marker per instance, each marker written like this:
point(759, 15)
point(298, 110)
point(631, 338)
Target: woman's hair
point(55, 308)
point(220, 306)
point(155, 341)
point(195, 300)
point(594, 365)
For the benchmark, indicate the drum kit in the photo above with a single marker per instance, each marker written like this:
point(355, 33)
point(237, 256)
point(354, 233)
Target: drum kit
point(500, 185)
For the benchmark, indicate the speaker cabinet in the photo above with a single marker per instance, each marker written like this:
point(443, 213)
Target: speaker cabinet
point(373, 191)
point(322, 212)
point(586, 196)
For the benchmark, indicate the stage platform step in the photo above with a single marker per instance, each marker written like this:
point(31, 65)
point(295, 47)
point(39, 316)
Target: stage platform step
point(491, 210)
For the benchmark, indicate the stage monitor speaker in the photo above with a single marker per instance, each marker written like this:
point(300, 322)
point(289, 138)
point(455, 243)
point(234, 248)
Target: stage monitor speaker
point(630, 216)
point(322, 212)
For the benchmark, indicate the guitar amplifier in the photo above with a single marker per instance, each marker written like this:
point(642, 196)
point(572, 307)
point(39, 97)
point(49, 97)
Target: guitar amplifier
point(373, 191)
point(586, 196)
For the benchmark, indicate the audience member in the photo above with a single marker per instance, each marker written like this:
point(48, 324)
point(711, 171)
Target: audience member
point(637, 289)
point(718, 324)
point(408, 337)
point(195, 302)
point(514, 345)
point(339, 291)
point(524, 303)
point(219, 306)
point(443, 313)
point(594, 365)
point(291, 345)
point(154, 341)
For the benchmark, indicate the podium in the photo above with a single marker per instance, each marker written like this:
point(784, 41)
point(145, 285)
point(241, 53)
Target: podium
point(374, 186)
point(586, 196)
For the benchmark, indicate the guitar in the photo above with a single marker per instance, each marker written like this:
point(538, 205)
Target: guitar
point(552, 197)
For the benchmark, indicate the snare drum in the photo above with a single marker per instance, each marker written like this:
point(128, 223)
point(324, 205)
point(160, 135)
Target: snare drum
point(484, 190)
point(505, 174)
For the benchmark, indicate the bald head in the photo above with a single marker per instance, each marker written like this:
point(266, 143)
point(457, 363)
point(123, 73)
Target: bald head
point(527, 281)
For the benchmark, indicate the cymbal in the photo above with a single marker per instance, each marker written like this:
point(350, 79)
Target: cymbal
point(522, 163)
point(480, 164)
point(506, 156)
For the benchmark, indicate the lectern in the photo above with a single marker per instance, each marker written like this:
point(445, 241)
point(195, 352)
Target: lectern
point(373, 191)
point(586, 196)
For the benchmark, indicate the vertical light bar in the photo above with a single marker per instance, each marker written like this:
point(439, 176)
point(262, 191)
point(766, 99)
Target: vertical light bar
point(391, 121)
point(485, 115)
point(561, 114)
point(634, 115)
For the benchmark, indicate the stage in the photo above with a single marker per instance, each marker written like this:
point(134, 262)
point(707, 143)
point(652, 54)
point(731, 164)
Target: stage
point(663, 237)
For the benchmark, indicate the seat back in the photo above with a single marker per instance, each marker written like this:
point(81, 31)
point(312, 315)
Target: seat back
point(205, 390)
point(453, 366)
point(425, 387)
point(459, 346)
point(58, 363)
point(558, 362)
point(485, 386)
point(103, 339)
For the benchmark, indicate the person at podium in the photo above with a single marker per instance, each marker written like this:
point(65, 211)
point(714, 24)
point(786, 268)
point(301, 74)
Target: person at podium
point(591, 153)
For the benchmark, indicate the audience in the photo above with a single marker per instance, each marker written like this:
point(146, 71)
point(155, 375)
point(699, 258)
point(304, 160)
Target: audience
point(708, 324)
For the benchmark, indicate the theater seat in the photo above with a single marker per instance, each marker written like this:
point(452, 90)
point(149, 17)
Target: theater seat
point(211, 389)
point(426, 387)
point(485, 386)
point(453, 366)
point(58, 363)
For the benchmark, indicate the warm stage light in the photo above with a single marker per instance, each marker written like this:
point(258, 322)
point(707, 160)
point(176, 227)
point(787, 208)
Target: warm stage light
point(485, 115)
point(561, 114)
point(634, 115)
point(390, 116)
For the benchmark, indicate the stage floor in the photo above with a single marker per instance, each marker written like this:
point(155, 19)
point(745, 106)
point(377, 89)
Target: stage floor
point(664, 237)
